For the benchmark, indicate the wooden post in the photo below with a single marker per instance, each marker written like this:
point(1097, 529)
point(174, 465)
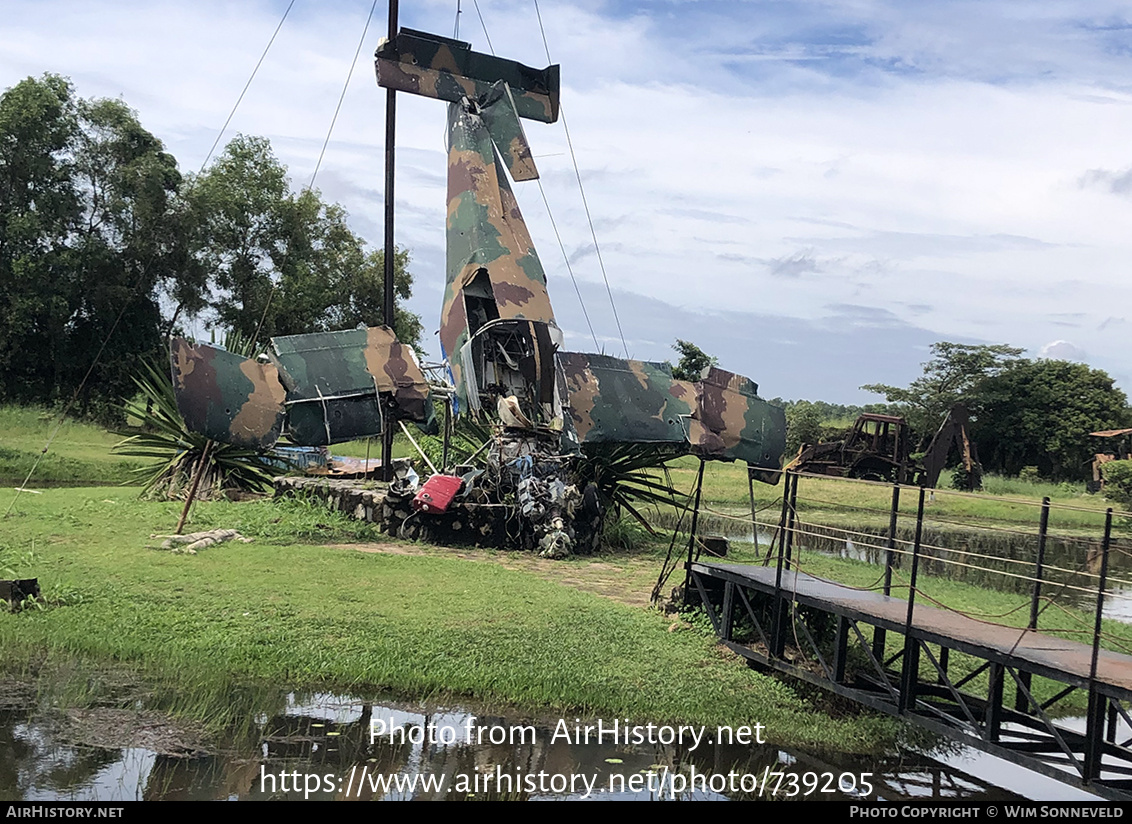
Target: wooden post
point(201, 463)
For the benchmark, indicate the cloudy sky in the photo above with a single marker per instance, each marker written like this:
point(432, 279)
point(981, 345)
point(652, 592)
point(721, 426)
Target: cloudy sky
point(812, 191)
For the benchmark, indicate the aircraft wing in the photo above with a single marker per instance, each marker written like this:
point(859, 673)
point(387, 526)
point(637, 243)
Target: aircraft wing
point(321, 388)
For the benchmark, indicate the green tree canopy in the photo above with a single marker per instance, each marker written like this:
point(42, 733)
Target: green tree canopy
point(693, 361)
point(90, 231)
point(284, 263)
point(97, 225)
point(953, 374)
point(1040, 413)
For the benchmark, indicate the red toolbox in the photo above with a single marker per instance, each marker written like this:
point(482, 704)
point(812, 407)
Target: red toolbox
point(437, 493)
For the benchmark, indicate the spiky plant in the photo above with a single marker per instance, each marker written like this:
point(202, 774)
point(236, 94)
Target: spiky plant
point(177, 451)
point(626, 476)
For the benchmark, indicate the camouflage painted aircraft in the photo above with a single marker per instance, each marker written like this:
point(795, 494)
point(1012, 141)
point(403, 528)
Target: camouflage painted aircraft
point(497, 326)
point(500, 341)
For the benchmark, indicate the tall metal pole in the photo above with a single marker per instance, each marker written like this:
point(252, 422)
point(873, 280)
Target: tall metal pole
point(390, 251)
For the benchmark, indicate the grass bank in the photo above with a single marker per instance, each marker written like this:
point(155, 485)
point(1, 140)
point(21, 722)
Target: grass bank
point(1005, 502)
point(79, 454)
point(285, 611)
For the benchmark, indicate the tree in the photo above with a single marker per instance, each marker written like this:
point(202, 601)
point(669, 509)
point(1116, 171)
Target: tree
point(953, 374)
point(102, 241)
point(803, 425)
point(89, 233)
point(283, 263)
point(1040, 413)
point(693, 361)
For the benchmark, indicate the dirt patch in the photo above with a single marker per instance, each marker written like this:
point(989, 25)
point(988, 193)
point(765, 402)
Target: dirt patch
point(629, 580)
point(110, 728)
point(15, 695)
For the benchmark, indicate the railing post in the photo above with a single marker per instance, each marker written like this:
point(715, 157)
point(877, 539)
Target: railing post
point(1098, 704)
point(1025, 678)
point(911, 663)
point(880, 636)
point(993, 717)
point(754, 512)
point(1035, 598)
point(785, 533)
point(728, 609)
point(692, 536)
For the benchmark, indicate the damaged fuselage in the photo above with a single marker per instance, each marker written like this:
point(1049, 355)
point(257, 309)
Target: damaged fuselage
point(501, 345)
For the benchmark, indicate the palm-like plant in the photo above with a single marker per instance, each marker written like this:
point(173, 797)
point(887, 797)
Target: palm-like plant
point(625, 479)
point(178, 452)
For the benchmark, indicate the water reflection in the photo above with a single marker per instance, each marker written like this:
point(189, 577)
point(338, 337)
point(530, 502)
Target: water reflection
point(320, 747)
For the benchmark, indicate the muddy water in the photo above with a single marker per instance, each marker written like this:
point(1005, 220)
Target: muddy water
point(335, 747)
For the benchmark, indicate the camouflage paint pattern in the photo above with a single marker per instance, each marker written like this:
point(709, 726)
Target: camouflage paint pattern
point(618, 401)
point(227, 397)
point(719, 417)
point(334, 381)
point(447, 69)
point(330, 386)
point(487, 97)
point(486, 230)
point(731, 422)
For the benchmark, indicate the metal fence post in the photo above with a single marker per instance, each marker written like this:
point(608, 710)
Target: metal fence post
point(911, 664)
point(1025, 678)
point(785, 533)
point(880, 636)
point(1098, 704)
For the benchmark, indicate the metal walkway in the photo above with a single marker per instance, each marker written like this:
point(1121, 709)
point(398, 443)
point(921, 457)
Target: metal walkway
point(970, 680)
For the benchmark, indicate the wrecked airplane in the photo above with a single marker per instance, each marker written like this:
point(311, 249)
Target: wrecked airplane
point(502, 348)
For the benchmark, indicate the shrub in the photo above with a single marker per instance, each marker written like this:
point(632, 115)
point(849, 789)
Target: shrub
point(1118, 481)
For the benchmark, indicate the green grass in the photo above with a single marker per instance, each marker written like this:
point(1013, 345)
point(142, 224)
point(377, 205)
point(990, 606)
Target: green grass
point(79, 454)
point(283, 612)
point(1006, 501)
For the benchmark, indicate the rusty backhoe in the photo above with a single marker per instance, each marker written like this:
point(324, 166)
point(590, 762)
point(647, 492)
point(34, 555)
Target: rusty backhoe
point(877, 449)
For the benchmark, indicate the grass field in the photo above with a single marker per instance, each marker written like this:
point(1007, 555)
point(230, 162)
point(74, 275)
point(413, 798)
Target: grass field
point(80, 452)
point(294, 608)
point(1006, 501)
point(283, 610)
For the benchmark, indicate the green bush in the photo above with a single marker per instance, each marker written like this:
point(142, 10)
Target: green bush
point(1029, 473)
point(1118, 481)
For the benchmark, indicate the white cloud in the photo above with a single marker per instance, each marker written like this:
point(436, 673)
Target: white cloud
point(1062, 350)
point(949, 165)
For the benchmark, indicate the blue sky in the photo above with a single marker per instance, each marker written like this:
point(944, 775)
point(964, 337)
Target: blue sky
point(812, 191)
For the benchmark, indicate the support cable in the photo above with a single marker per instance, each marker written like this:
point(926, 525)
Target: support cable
point(483, 26)
point(582, 190)
point(314, 176)
point(341, 97)
point(247, 85)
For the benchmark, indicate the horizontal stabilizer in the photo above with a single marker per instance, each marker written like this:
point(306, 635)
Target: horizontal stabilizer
point(624, 401)
point(325, 387)
point(226, 397)
point(447, 69)
point(334, 380)
point(719, 417)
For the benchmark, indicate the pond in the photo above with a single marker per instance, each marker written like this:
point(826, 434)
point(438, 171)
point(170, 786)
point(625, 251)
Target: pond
point(326, 746)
